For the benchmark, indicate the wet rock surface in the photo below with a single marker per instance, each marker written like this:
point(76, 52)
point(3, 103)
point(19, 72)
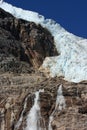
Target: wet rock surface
point(23, 47)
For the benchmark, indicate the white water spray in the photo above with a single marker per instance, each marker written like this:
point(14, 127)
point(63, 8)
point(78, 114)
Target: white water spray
point(60, 105)
point(60, 101)
point(50, 121)
point(34, 116)
point(21, 117)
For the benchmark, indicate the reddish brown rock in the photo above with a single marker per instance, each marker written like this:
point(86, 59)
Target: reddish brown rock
point(24, 40)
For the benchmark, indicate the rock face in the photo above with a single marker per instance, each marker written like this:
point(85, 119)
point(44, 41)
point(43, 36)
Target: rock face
point(15, 88)
point(23, 47)
point(24, 41)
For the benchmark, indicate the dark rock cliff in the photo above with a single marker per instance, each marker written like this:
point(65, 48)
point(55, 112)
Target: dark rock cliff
point(23, 41)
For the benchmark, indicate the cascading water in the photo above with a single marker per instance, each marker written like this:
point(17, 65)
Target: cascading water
point(34, 116)
point(34, 119)
point(60, 105)
point(2, 123)
point(50, 121)
point(21, 117)
point(60, 101)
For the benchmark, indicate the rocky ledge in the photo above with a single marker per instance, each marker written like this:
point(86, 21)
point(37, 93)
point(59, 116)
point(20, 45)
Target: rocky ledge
point(23, 47)
point(15, 88)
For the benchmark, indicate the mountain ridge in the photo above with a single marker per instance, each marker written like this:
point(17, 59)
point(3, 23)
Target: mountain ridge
point(66, 63)
point(23, 48)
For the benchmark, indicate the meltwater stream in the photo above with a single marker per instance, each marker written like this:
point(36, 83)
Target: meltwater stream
point(34, 117)
point(34, 120)
point(21, 116)
point(60, 105)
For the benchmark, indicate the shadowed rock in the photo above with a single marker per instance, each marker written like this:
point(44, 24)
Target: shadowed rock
point(24, 41)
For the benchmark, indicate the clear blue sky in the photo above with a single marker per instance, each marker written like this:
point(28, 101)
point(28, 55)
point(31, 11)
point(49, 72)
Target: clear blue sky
point(71, 14)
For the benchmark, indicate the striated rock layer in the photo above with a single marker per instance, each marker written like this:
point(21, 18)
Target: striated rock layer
point(23, 41)
point(23, 47)
point(15, 88)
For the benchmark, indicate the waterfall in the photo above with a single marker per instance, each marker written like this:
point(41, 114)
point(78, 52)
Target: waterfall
point(21, 116)
point(60, 101)
point(34, 116)
point(34, 120)
point(60, 105)
point(50, 121)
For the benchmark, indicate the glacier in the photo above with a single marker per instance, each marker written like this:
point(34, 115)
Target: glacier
point(71, 63)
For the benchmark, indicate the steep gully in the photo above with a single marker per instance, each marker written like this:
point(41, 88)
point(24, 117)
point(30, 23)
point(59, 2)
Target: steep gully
point(34, 119)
